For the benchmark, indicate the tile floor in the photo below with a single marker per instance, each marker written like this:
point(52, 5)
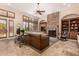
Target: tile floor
point(59, 48)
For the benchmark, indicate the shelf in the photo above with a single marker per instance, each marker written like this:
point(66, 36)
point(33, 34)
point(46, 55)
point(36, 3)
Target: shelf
point(72, 26)
point(65, 26)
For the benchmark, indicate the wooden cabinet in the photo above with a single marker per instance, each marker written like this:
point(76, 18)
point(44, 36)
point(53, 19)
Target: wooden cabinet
point(73, 35)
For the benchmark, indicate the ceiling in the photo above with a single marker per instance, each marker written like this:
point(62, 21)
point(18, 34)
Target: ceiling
point(48, 7)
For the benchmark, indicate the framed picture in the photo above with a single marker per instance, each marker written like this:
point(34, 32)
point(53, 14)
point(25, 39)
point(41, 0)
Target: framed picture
point(3, 28)
point(11, 28)
point(3, 13)
point(11, 14)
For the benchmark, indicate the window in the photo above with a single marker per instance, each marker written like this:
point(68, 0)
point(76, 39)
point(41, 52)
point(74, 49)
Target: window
point(30, 26)
point(25, 22)
point(3, 28)
point(25, 25)
point(11, 28)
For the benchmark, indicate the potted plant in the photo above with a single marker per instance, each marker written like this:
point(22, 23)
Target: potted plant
point(22, 31)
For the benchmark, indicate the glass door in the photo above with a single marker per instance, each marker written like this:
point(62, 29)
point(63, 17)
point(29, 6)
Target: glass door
point(11, 28)
point(3, 28)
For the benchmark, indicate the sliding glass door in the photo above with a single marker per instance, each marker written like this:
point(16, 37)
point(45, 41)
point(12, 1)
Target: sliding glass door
point(3, 28)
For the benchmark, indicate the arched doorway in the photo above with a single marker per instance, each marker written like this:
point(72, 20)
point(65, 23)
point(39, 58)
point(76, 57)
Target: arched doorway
point(70, 24)
point(43, 26)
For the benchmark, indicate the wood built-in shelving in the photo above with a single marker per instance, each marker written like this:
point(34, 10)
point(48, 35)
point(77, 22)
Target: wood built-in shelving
point(72, 26)
point(65, 25)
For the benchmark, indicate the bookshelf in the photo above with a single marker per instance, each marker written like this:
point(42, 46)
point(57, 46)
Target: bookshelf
point(65, 25)
point(72, 26)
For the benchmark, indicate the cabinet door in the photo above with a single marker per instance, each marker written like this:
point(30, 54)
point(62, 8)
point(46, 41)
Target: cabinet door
point(73, 35)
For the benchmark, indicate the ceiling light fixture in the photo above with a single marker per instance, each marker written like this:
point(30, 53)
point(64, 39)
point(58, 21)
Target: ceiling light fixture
point(39, 11)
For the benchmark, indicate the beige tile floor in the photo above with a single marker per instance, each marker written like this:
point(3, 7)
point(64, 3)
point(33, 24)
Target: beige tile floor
point(62, 48)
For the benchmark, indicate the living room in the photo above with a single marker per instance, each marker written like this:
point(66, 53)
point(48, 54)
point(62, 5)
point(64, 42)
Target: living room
point(41, 26)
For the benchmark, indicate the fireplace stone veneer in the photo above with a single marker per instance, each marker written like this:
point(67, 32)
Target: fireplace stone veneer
point(53, 24)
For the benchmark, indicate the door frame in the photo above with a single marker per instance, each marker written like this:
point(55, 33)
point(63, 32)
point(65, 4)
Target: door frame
point(6, 27)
